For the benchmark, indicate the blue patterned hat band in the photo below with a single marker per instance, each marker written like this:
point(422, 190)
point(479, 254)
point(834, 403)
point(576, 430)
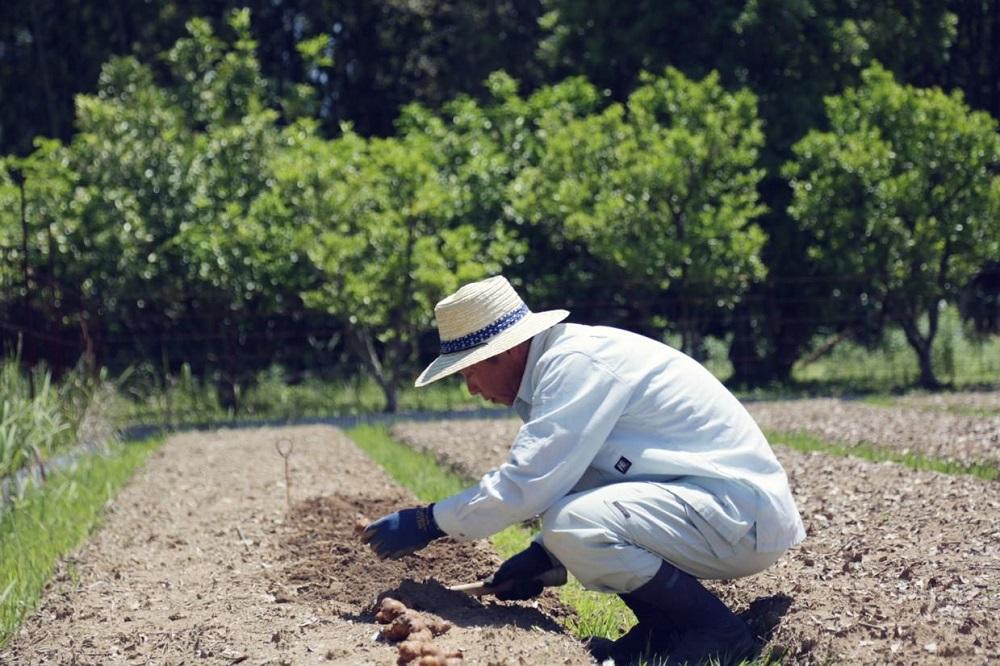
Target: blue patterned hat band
point(479, 337)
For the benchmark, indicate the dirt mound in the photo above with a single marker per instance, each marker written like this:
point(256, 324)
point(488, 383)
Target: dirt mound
point(962, 438)
point(968, 402)
point(897, 567)
point(326, 561)
point(469, 447)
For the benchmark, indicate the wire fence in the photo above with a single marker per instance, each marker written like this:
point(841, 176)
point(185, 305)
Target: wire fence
point(239, 351)
point(791, 321)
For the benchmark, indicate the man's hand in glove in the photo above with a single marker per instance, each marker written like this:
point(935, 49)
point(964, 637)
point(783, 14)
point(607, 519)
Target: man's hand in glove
point(403, 532)
point(520, 575)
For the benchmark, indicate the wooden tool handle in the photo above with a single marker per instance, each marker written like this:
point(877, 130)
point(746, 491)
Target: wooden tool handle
point(473, 588)
point(550, 578)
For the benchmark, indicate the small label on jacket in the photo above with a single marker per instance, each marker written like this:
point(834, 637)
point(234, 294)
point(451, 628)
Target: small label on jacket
point(623, 464)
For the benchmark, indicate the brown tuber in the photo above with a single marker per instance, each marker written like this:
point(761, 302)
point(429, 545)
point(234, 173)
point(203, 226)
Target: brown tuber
point(389, 610)
point(408, 625)
point(410, 650)
point(421, 635)
point(396, 631)
point(440, 660)
point(430, 660)
point(439, 627)
point(415, 631)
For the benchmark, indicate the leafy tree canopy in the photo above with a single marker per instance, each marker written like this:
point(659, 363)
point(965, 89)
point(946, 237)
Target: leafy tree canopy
point(663, 189)
point(901, 195)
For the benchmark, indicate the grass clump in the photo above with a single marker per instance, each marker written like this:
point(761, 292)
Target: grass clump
point(34, 420)
point(418, 472)
point(807, 443)
point(41, 418)
point(51, 520)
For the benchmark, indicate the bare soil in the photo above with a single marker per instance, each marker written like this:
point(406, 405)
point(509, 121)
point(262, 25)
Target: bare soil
point(984, 402)
point(200, 561)
point(898, 566)
point(935, 433)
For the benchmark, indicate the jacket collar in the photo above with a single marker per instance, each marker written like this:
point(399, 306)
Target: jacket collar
point(539, 344)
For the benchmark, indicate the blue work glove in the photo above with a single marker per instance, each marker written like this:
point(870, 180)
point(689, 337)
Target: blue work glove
point(402, 533)
point(518, 577)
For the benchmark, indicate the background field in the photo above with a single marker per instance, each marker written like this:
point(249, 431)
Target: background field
point(229, 214)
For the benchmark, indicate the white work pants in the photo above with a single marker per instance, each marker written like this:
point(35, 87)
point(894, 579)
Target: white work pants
point(614, 538)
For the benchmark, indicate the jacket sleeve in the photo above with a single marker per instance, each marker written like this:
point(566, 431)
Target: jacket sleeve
point(576, 403)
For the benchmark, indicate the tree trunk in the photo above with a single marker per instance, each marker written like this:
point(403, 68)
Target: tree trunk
point(385, 382)
point(693, 341)
point(391, 400)
point(922, 346)
point(756, 350)
point(927, 378)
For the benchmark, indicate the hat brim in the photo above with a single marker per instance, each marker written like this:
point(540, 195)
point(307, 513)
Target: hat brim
point(528, 327)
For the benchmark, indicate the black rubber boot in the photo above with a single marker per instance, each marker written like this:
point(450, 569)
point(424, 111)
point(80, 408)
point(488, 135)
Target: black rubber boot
point(653, 632)
point(681, 622)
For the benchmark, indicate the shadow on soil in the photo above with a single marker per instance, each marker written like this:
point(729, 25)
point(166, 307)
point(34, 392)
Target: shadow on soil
point(324, 560)
point(765, 613)
point(462, 610)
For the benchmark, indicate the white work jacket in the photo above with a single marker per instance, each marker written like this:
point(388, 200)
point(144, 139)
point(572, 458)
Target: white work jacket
point(601, 405)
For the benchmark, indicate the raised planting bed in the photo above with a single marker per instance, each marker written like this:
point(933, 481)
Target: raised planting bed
point(201, 560)
point(899, 566)
point(967, 439)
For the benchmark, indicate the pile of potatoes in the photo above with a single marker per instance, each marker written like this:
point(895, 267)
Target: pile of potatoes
point(415, 632)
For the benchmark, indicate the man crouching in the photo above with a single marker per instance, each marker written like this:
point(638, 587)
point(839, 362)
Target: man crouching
point(648, 474)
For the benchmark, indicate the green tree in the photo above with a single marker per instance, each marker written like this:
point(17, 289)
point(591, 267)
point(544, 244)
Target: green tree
point(663, 190)
point(385, 234)
point(35, 299)
point(482, 147)
point(901, 196)
point(790, 55)
point(151, 224)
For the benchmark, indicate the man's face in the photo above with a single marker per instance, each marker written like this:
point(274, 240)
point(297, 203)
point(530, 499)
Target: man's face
point(499, 377)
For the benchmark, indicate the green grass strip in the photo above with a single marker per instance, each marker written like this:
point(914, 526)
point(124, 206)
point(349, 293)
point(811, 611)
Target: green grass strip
point(50, 521)
point(596, 614)
point(801, 441)
point(418, 472)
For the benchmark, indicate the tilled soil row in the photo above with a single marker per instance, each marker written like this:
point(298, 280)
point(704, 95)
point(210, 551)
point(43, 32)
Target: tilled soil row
point(200, 560)
point(954, 437)
point(968, 401)
point(898, 566)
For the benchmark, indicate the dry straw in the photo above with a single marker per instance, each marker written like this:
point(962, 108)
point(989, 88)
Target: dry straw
point(480, 320)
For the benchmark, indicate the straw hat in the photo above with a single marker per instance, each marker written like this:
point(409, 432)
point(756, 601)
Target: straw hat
point(481, 320)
